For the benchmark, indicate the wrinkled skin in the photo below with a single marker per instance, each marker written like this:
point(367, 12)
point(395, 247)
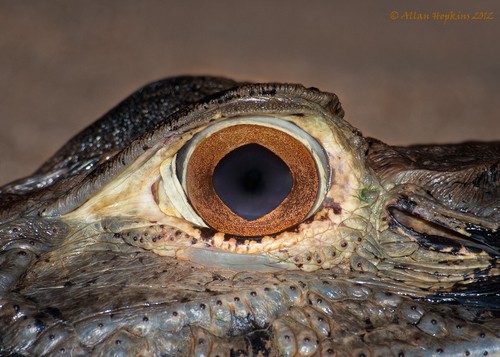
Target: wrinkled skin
point(401, 258)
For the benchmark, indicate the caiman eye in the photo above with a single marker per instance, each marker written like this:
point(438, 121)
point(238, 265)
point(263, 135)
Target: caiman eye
point(250, 176)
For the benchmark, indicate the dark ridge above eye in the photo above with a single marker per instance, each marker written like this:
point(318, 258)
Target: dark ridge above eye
point(252, 181)
point(135, 115)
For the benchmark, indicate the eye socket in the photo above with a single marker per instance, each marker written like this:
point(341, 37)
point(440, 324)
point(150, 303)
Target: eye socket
point(251, 176)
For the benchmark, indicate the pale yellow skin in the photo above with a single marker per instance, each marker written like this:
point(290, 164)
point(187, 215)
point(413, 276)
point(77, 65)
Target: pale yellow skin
point(317, 243)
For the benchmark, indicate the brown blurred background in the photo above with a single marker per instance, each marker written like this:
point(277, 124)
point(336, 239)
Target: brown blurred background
point(65, 63)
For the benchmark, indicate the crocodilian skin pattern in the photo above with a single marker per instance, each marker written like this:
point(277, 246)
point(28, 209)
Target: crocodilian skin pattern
point(400, 259)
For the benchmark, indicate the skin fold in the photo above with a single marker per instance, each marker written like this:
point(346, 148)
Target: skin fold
point(395, 252)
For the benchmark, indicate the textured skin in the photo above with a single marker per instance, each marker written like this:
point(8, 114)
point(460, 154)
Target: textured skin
point(401, 259)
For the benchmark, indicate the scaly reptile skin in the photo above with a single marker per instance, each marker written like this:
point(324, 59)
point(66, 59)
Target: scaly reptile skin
point(399, 257)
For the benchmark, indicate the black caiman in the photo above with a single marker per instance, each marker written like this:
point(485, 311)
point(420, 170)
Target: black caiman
point(206, 217)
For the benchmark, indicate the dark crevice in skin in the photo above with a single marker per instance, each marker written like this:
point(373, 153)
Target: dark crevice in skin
point(436, 236)
point(484, 235)
point(483, 293)
point(447, 240)
point(206, 234)
point(241, 240)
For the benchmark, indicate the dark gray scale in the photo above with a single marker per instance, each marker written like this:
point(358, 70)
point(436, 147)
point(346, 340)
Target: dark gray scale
point(252, 181)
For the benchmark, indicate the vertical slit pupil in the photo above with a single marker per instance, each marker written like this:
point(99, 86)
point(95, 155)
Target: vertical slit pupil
point(252, 181)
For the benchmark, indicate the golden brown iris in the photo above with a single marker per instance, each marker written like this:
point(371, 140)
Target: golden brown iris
point(209, 205)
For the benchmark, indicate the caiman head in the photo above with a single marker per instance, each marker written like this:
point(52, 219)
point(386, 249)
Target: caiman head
point(207, 217)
